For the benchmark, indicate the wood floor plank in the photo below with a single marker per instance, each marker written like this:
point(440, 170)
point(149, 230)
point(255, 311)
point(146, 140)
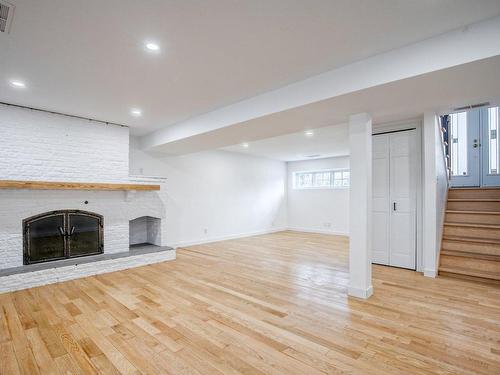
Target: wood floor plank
point(8, 362)
point(270, 304)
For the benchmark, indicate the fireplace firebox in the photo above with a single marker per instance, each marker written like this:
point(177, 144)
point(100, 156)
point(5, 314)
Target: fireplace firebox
point(62, 234)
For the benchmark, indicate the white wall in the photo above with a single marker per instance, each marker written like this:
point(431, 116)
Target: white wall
point(441, 186)
point(435, 193)
point(318, 210)
point(216, 195)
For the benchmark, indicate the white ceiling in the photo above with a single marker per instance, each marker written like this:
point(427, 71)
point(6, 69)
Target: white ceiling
point(438, 91)
point(86, 57)
point(329, 141)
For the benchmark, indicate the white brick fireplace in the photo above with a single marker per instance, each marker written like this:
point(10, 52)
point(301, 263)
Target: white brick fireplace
point(21, 204)
point(37, 146)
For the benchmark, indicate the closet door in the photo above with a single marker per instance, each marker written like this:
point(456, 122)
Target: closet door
point(394, 199)
point(402, 196)
point(381, 199)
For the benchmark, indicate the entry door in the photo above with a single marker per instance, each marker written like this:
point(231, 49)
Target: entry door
point(394, 199)
point(465, 153)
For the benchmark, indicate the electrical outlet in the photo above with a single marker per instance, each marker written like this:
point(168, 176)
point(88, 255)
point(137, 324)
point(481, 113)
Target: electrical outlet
point(327, 225)
point(205, 231)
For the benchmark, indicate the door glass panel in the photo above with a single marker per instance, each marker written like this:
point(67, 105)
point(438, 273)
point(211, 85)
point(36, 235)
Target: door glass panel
point(84, 232)
point(492, 139)
point(45, 240)
point(458, 140)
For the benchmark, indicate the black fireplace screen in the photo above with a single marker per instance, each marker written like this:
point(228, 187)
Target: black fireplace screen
point(62, 234)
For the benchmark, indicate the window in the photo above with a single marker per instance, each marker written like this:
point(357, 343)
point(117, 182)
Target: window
point(493, 140)
point(331, 179)
point(458, 137)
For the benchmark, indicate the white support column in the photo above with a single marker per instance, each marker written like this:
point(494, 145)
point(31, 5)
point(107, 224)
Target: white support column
point(360, 206)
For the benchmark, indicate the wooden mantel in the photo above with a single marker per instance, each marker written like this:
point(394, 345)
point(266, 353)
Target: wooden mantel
point(52, 185)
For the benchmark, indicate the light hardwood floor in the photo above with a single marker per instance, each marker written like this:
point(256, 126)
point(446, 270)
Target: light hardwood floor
point(272, 304)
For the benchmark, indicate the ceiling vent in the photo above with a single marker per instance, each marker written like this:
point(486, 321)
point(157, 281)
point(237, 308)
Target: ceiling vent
point(472, 106)
point(6, 14)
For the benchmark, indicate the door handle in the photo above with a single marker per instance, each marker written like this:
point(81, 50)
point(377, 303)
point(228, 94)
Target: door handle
point(394, 206)
point(61, 230)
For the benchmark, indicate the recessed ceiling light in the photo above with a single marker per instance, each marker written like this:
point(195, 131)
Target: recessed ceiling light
point(244, 145)
point(309, 133)
point(150, 46)
point(135, 112)
point(18, 84)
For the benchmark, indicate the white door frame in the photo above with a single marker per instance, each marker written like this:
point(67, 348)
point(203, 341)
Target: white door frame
point(409, 125)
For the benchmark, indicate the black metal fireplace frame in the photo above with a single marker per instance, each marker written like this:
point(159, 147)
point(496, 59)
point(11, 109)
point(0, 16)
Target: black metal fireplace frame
point(67, 234)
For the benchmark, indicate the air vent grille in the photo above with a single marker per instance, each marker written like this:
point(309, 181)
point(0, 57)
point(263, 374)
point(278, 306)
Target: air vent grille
point(6, 13)
point(472, 106)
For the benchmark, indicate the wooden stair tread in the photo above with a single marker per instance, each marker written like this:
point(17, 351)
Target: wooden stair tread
point(472, 225)
point(471, 272)
point(473, 200)
point(473, 212)
point(471, 239)
point(469, 278)
point(475, 188)
point(467, 254)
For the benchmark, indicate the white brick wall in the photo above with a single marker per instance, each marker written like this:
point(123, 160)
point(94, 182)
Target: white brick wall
point(40, 146)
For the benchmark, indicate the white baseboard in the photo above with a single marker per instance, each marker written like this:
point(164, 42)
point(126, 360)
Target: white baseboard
point(319, 231)
point(360, 293)
point(202, 241)
point(430, 273)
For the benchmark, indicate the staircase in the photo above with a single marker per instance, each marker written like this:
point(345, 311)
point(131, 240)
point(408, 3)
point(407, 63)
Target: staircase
point(471, 234)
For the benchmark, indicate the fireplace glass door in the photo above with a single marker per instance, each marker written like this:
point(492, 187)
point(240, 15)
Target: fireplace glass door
point(45, 241)
point(62, 234)
point(84, 234)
